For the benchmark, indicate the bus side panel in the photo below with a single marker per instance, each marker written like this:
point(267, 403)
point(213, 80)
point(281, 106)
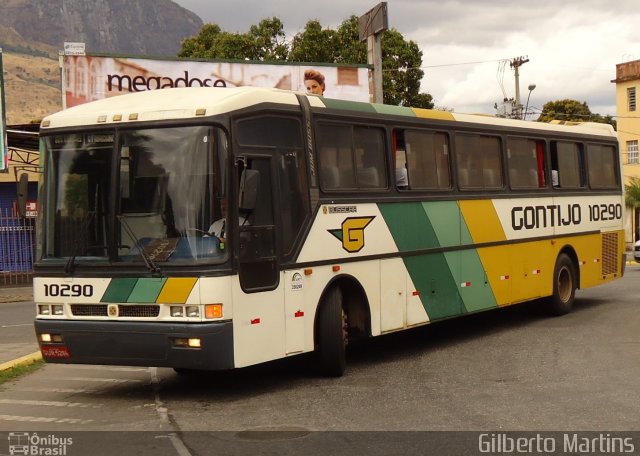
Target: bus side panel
point(258, 324)
point(393, 295)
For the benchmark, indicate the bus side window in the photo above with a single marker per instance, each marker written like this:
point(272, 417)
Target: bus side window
point(427, 158)
point(351, 157)
point(526, 163)
point(568, 159)
point(602, 166)
point(479, 161)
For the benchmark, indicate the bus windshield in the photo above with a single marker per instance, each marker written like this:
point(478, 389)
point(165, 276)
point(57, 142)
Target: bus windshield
point(135, 196)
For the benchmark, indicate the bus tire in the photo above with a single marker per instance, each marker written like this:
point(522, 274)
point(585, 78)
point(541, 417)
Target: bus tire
point(564, 286)
point(331, 335)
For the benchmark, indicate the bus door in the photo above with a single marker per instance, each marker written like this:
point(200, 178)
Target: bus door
point(258, 300)
point(257, 256)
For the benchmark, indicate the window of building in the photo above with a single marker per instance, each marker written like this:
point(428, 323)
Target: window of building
point(602, 166)
point(479, 161)
point(526, 162)
point(631, 98)
point(632, 152)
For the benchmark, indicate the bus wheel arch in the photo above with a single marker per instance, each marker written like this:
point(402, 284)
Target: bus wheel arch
point(566, 279)
point(342, 316)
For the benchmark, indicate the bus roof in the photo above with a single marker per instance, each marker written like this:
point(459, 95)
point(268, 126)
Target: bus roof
point(194, 102)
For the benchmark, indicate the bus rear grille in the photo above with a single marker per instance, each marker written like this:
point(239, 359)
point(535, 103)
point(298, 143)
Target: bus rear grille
point(609, 253)
point(100, 310)
point(89, 310)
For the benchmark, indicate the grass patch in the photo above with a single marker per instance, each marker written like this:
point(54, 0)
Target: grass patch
point(20, 370)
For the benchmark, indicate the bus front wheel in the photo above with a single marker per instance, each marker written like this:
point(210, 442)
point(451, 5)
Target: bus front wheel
point(564, 286)
point(332, 335)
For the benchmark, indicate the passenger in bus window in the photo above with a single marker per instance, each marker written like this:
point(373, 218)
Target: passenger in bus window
point(402, 180)
point(554, 178)
point(314, 82)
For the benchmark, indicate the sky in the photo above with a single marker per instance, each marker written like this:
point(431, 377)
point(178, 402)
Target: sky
point(573, 46)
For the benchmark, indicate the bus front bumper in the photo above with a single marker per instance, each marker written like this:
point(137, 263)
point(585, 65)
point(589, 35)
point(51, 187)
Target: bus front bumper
point(138, 343)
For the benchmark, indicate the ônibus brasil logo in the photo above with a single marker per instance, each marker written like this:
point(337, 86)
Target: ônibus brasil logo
point(32, 444)
point(352, 233)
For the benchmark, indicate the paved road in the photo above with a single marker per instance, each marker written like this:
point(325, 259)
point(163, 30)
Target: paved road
point(507, 370)
point(17, 337)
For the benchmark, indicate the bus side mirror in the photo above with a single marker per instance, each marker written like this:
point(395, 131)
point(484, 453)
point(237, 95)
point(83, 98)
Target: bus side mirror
point(23, 192)
point(249, 183)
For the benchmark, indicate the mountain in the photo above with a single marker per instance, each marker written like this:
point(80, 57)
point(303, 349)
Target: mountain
point(33, 31)
point(149, 27)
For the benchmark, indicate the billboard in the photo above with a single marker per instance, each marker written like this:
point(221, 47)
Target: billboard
point(4, 152)
point(93, 77)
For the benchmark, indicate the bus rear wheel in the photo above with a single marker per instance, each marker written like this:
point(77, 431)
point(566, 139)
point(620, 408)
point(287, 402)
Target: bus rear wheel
point(564, 286)
point(332, 335)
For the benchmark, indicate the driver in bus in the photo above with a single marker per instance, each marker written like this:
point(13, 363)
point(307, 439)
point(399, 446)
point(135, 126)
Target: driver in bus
point(218, 228)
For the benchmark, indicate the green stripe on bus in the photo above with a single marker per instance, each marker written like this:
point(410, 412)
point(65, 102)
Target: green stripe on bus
point(348, 105)
point(409, 225)
point(147, 290)
point(119, 290)
point(449, 283)
point(478, 295)
point(437, 287)
point(395, 110)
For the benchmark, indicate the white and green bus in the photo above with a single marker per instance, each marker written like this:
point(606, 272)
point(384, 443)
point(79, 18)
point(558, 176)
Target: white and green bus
point(335, 220)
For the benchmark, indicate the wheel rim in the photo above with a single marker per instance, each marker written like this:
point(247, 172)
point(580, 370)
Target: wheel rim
point(565, 284)
point(345, 328)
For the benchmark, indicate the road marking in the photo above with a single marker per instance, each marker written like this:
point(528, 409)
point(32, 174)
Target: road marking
point(49, 403)
point(44, 419)
point(113, 368)
point(15, 326)
point(59, 390)
point(104, 380)
point(163, 413)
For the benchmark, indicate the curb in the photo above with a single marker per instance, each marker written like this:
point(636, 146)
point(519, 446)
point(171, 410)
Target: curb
point(19, 298)
point(23, 360)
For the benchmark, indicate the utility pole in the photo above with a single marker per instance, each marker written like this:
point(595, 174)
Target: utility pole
point(516, 63)
point(370, 26)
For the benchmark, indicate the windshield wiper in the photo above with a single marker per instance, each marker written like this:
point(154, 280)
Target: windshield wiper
point(71, 262)
point(151, 266)
point(68, 268)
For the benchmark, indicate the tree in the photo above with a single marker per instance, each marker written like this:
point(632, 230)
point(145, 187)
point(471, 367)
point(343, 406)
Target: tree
point(401, 59)
point(632, 201)
point(314, 44)
point(265, 41)
point(573, 111)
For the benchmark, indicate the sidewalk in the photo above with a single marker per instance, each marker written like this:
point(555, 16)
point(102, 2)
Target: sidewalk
point(22, 347)
point(16, 294)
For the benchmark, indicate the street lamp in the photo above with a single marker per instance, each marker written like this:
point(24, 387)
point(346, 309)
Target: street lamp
point(531, 87)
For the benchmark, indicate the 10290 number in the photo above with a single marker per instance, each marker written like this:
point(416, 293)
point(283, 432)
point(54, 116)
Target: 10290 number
point(66, 290)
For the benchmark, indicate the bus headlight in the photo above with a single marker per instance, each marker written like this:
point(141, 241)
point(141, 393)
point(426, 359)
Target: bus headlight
point(193, 311)
point(57, 309)
point(44, 309)
point(177, 311)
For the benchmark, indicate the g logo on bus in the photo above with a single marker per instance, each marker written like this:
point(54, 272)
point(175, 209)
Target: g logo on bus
point(112, 310)
point(352, 233)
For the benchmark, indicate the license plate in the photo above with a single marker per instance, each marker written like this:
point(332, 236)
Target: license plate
point(55, 351)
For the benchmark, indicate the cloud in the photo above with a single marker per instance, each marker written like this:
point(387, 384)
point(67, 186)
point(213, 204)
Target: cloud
point(573, 46)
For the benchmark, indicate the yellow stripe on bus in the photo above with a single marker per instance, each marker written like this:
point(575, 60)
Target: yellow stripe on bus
point(176, 290)
point(432, 114)
point(482, 221)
